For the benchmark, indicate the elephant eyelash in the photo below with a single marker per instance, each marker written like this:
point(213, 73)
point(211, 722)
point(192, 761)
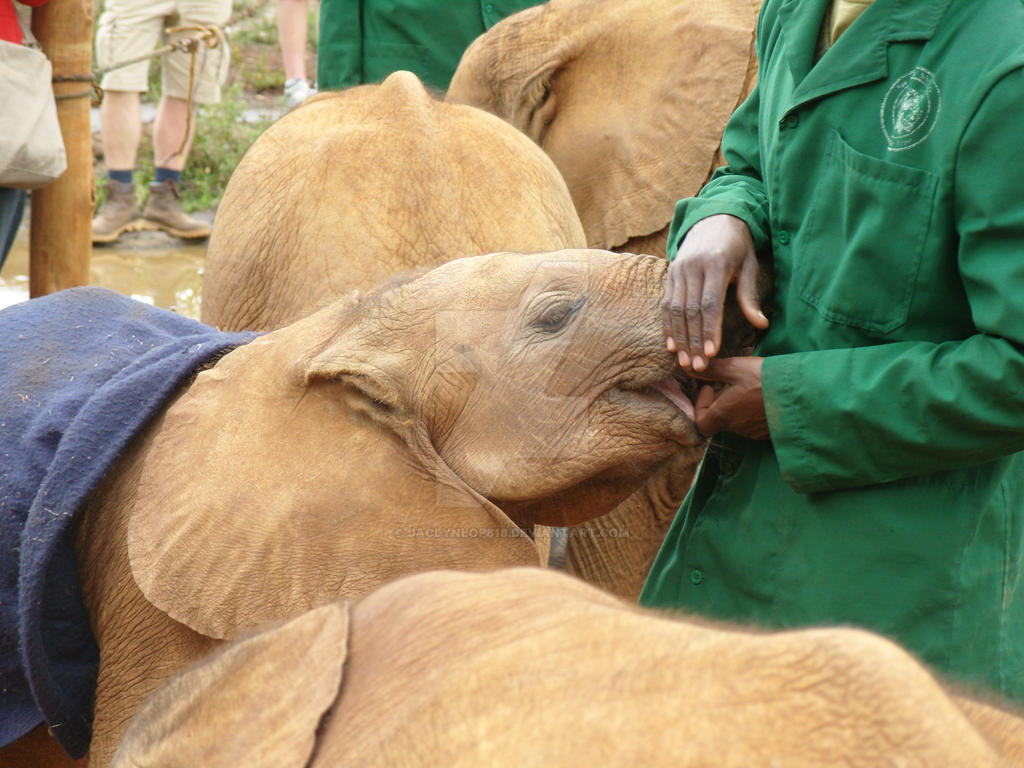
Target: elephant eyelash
point(554, 318)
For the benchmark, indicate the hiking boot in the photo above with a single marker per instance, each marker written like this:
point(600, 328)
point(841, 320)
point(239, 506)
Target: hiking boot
point(119, 213)
point(164, 211)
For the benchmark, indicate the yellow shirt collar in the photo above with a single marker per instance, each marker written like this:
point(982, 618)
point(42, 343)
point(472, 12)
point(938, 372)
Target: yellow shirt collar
point(844, 12)
point(839, 17)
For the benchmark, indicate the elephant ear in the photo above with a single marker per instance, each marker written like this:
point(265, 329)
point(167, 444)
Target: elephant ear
point(653, 98)
point(238, 518)
point(634, 115)
point(282, 479)
point(258, 703)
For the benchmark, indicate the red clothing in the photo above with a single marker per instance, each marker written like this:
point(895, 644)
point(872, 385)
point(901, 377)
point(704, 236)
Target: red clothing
point(9, 29)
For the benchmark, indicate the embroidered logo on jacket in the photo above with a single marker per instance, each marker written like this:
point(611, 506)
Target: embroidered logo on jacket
point(910, 109)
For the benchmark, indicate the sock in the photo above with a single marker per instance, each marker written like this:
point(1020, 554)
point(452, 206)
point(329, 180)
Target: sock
point(125, 177)
point(161, 175)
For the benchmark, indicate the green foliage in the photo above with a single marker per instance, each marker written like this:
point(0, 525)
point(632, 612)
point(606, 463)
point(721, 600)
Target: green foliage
point(256, 49)
point(223, 134)
point(154, 80)
point(222, 137)
point(260, 29)
point(312, 26)
point(255, 71)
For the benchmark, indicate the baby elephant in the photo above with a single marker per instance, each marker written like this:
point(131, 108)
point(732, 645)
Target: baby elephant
point(529, 667)
point(429, 424)
point(363, 183)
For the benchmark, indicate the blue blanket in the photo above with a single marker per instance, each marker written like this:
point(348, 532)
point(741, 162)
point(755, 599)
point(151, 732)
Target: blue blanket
point(81, 373)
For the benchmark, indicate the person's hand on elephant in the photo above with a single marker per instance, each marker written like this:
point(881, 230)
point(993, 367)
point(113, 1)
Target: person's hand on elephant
point(716, 252)
point(739, 406)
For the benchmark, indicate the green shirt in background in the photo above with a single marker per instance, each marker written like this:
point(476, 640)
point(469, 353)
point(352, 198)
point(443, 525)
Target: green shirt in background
point(364, 41)
point(885, 181)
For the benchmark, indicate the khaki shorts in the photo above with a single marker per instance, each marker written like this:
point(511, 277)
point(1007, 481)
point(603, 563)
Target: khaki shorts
point(130, 28)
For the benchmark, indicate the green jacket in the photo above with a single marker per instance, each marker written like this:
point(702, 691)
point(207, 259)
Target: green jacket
point(886, 183)
point(364, 41)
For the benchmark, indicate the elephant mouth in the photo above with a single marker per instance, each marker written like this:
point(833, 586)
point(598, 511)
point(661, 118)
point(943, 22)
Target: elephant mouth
point(676, 387)
point(671, 388)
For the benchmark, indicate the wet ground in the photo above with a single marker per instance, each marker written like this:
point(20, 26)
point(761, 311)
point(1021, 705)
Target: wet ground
point(149, 266)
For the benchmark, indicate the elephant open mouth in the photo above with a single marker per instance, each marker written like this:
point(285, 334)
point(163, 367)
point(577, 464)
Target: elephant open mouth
point(676, 387)
point(681, 391)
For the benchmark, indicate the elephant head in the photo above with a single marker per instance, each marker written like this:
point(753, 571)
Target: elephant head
point(628, 97)
point(427, 425)
point(360, 184)
point(529, 667)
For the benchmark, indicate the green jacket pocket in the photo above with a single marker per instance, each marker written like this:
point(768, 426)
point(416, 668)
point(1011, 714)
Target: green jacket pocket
point(859, 251)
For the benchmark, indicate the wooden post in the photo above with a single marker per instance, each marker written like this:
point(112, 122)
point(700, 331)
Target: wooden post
point(60, 238)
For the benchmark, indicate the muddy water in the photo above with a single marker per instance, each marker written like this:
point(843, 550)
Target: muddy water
point(149, 266)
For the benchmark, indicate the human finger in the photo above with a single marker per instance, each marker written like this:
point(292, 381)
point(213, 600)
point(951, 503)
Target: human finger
point(693, 273)
point(673, 306)
point(712, 301)
point(747, 295)
point(705, 414)
point(725, 369)
point(666, 314)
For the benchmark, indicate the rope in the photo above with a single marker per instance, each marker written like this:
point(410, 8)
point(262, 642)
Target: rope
point(211, 35)
point(94, 88)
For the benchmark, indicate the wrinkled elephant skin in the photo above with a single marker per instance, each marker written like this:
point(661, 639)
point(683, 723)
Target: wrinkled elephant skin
point(428, 425)
point(529, 667)
point(629, 98)
point(358, 185)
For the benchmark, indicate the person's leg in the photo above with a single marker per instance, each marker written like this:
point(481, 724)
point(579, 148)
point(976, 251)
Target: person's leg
point(121, 130)
point(121, 127)
point(12, 207)
point(172, 140)
point(171, 130)
point(291, 30)
point(126, 29)
point(182, 85)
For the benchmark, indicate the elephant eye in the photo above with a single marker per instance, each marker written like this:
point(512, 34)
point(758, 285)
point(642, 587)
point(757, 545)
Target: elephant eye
point(556, 316)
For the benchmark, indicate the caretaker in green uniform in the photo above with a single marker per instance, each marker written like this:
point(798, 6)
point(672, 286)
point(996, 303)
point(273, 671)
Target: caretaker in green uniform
point(364, 41)
point(885, 182)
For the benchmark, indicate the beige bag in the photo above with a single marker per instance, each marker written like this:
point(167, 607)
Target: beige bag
point(31, 145)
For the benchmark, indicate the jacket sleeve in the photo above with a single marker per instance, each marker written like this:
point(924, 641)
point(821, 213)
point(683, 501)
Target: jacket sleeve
point(736, 188)
point(845, 418)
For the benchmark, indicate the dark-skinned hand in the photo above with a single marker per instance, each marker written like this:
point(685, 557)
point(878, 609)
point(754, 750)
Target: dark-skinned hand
point(739, 406)
point(716, 252)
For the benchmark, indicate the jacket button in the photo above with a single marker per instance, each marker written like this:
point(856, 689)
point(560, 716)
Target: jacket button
point(789, 121)
point(783, 237)
point(696, 577)
point(728, 465)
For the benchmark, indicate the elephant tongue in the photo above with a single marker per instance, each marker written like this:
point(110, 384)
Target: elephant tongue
point(669, 387)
